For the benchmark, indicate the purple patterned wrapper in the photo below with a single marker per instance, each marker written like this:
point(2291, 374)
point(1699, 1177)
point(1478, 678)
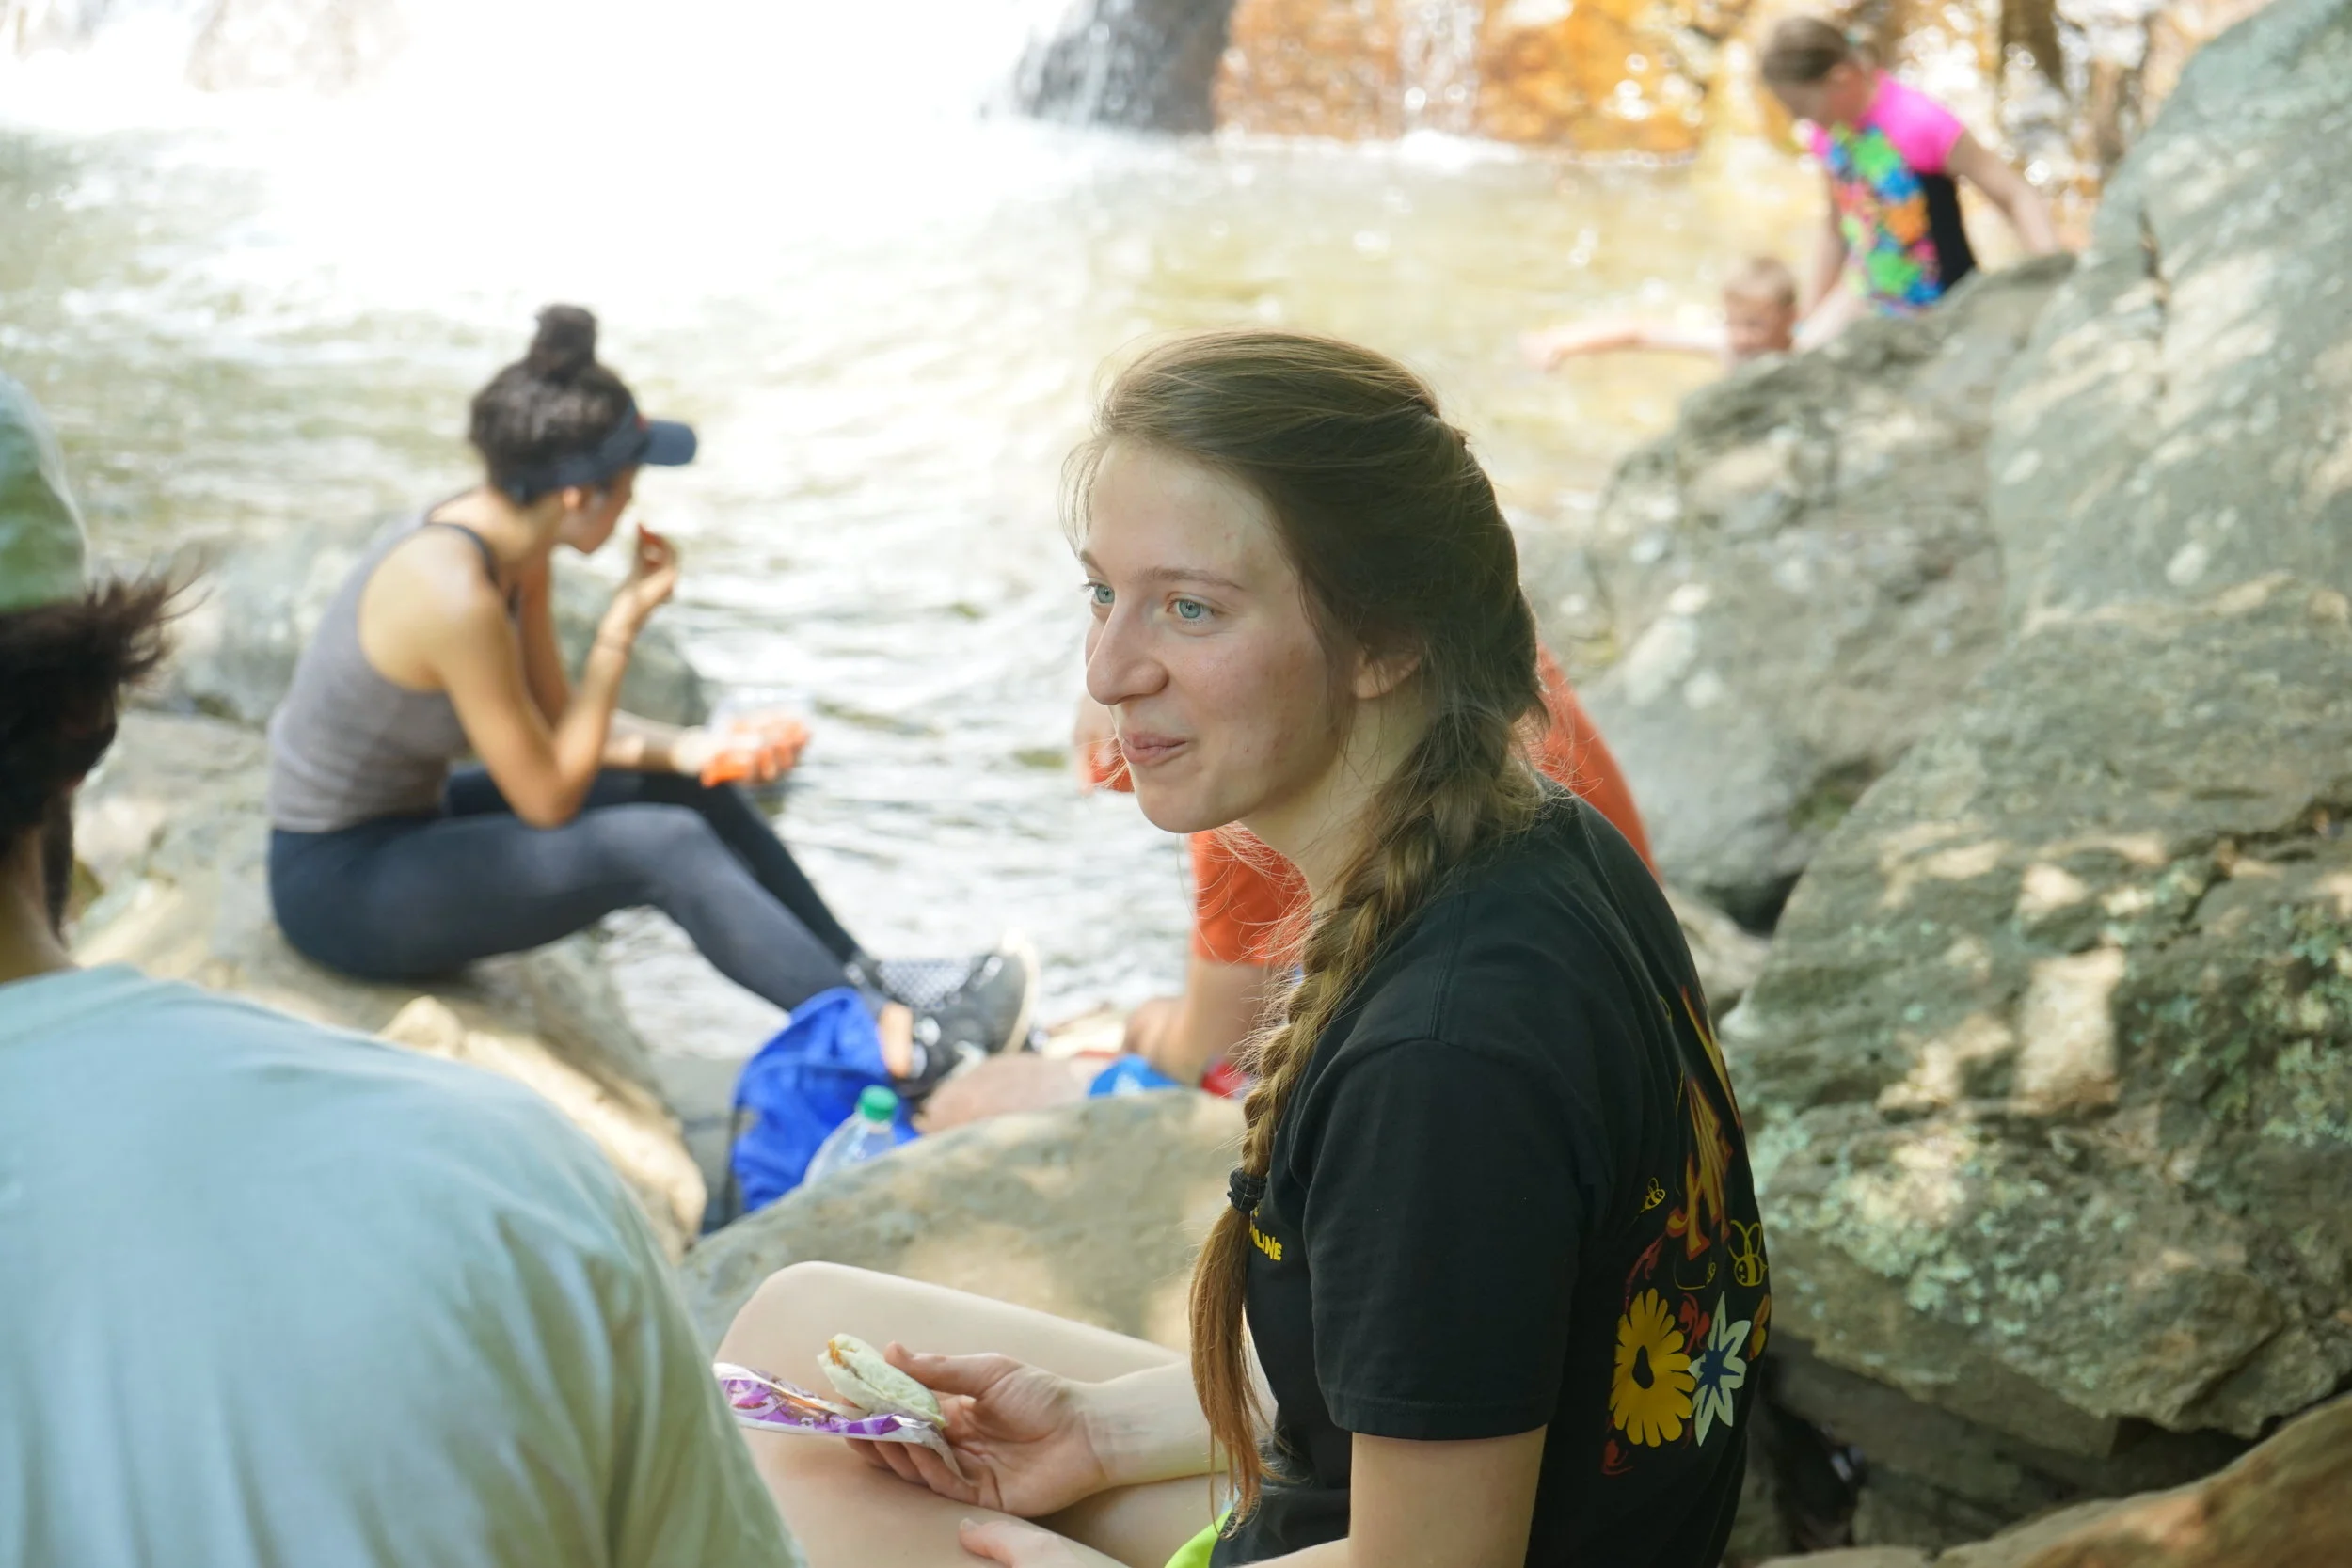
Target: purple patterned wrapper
point(762, 1403)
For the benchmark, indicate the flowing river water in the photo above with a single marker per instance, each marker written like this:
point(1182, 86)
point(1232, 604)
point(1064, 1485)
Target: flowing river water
point(813, 230)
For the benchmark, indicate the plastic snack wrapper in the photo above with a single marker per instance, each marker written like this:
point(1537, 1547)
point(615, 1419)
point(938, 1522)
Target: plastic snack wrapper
point(761, 1404)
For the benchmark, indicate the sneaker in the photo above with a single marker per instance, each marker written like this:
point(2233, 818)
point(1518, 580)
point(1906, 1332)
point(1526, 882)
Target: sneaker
point(982, 1003)
point(965, 1009)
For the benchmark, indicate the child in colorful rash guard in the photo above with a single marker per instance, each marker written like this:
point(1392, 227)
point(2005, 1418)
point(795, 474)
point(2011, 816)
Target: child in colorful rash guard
point(1893, 158)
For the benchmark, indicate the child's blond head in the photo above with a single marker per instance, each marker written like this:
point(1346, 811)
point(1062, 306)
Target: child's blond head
point(1762, 280)
point(1759, 308)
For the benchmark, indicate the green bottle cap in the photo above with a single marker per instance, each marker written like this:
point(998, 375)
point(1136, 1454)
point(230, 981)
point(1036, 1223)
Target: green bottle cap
point(876, 1102)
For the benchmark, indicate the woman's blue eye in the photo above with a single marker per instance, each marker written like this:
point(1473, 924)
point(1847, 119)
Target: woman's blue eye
point(1191, 609)
point(1099, 595)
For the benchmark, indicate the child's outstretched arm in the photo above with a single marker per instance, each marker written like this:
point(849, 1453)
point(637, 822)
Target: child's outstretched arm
point(1546, 349)
point(2006, 189)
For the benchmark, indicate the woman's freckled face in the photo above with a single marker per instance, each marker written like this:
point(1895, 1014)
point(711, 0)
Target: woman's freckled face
point(1201, 646)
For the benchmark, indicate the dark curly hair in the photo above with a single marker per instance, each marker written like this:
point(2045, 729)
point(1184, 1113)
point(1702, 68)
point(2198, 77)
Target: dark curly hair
point(553, 402)
point(63, 669)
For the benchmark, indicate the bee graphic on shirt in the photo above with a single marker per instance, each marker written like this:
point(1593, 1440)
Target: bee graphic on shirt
point(1747, 1252)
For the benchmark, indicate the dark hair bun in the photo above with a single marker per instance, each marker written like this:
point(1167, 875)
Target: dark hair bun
point(564, 345)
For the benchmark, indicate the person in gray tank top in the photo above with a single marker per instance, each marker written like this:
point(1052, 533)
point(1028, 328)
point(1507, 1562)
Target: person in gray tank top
point(388, 861)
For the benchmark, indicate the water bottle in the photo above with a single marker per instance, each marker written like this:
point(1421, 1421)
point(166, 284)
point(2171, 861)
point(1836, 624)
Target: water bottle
point(868, 1134)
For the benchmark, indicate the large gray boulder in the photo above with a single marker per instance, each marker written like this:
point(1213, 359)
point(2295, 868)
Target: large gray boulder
point(2048, 1072)
point(1090, 1211)
point(1780, 596)
point(2183, 418)
point(171, 838)
point(2047, 1076)
point(252, 613)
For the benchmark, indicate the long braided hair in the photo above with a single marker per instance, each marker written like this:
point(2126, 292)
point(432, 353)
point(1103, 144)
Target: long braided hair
point(1394, 531)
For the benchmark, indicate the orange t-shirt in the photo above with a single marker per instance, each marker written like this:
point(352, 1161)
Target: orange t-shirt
point(1244, 894)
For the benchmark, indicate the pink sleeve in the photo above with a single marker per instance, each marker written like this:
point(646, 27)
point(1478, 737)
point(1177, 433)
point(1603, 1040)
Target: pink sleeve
point(1922, 131)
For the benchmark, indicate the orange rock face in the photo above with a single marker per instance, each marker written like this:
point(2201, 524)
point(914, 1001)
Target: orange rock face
point(1313, 67)
point(1594, 75)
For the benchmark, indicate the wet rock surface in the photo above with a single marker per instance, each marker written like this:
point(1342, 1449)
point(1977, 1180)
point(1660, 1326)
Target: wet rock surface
point(1781, 595)
point(1090, 1211)
point(2046, 1077)
point(172, 835)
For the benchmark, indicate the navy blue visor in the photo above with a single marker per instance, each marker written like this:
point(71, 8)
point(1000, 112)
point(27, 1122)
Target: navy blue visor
point(633, 441)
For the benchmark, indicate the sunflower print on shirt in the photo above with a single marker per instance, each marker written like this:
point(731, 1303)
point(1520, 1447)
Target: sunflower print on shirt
point(1696, 1301)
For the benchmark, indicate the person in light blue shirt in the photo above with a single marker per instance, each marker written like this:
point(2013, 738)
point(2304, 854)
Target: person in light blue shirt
point(278, 1294)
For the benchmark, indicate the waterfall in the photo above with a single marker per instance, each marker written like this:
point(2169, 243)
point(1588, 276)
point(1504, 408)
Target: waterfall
point(1146, 64)
point(1436, 47)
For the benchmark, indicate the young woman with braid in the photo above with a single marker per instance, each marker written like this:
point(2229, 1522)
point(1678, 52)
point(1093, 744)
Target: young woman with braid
point(1492, 1237)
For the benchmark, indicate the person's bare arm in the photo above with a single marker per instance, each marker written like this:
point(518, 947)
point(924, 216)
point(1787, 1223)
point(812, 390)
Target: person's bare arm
point(1549, 349)
point(645, 744)
point(1843, 308)
point(1829, 251)
point(652, 747)
point(1185, 1036)
point(544, 769)
point(2007, 189)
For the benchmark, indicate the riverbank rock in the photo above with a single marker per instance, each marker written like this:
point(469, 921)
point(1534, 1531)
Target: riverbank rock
point(2282, 1503)
point(2047, 1074)
point(172, 832)
point(252, 613)
point(1090, 1211)
point(1781, 595)
point(1930, 1478)
point(1728, 957)
point(2046, 1078)
point(2182, 417)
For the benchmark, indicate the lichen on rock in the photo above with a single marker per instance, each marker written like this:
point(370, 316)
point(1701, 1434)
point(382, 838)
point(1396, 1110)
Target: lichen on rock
point(2048, 1065)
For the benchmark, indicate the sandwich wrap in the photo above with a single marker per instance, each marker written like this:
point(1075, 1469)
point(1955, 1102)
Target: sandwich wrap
point(763, 1404)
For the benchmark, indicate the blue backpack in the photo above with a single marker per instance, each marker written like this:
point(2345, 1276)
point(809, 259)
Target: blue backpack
point(797, 1088)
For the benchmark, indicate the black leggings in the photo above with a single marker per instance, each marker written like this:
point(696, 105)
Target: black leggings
point(403, 898)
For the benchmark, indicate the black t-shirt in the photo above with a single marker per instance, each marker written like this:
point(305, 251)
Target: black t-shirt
point(1510, 1191)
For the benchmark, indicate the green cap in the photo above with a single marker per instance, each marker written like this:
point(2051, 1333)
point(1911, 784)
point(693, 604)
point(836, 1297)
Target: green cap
point(41, 528)
point(876, 1102)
